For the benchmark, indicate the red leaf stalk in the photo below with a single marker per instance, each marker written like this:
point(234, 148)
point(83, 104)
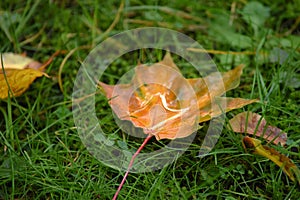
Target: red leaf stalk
point(130, 165)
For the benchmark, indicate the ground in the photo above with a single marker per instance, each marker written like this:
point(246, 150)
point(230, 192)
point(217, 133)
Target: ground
point(41, 154)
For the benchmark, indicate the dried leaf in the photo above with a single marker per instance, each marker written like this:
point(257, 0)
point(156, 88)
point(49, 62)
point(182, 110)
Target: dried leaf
point(252, 123)
point(282, 161)
point(165, 104)
point(19, 72)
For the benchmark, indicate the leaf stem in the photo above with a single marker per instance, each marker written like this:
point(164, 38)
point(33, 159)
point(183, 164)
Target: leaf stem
point(130, 165)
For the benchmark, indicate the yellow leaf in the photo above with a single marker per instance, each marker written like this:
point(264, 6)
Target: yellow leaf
point(282, 161)
point(18, 79)
point(165, 104)
point(17, 72)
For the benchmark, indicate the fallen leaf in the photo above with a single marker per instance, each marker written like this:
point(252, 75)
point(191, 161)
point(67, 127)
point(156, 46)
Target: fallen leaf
point(252, 123)
point(17, 72)
point(281, 160)
point(165, 104)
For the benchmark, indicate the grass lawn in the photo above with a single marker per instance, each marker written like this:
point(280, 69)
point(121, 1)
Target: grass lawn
point(41, 154)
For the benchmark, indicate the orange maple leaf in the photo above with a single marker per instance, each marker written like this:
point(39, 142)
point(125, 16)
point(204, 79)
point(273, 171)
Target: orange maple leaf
point(165, 104)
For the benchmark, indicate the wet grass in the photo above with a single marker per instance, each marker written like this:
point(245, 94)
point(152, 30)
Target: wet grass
point(41, 154)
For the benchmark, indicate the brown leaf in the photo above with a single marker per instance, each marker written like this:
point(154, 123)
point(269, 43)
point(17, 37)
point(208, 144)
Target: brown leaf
point(165, 104)
point(282, 161)
point(252, 123)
